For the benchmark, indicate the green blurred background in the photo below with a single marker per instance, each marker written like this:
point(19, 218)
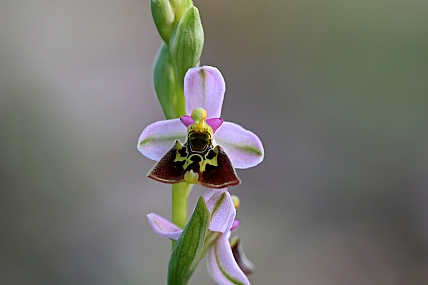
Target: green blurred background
point(337, 91)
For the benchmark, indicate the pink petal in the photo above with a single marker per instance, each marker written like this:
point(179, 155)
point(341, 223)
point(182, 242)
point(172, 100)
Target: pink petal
point(164, 228)
point(186, 120)
point(222, 266)
point(215, 123)
point(157, 138)
point(222, 210)
point(243, 147)
point(204, 87)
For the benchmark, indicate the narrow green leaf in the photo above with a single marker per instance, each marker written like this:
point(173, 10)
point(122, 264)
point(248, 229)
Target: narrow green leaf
point(186, 43)
point(166, 84)
point(188, 249)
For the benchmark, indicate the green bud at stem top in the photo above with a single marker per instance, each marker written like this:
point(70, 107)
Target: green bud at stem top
point(164, 77)
point(164, 17)
point(186, 43)
point(180, 7)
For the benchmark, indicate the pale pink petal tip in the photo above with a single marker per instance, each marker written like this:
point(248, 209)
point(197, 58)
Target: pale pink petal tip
point(222, 209)
point(164, 228)
point(204, 87)
point(157, 138)
point(243, 147)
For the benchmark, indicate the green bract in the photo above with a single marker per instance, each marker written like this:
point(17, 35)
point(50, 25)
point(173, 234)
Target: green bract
point(188, 249)
point(163, 16)
point(164, 77)
point(186, 43)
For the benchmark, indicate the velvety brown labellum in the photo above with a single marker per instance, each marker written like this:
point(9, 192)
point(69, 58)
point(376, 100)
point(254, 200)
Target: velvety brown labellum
point(212, 165)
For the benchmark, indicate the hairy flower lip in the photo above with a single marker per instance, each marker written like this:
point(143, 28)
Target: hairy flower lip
point(204, 87)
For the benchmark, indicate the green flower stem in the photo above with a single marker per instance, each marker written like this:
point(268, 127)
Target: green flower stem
point(180, 106)
point(180, 194)
point(180, 191)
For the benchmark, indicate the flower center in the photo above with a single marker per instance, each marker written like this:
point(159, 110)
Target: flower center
point(199, 141)
point(199, 125)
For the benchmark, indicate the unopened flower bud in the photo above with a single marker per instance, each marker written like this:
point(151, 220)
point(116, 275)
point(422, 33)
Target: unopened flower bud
point(163, 16)
point(180, 7)
point(236, 201)
point(165, 83)
point(186, 43)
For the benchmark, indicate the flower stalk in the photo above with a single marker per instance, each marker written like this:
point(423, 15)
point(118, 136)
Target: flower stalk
point(180, 195)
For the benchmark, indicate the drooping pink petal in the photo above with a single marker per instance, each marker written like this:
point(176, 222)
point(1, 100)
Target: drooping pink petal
point(157, 138)
point(215, 123)
point(243, 147)
point(186, 120)
point(222, 266)
point(222, 210)
point(204, 87)
point(164, 228)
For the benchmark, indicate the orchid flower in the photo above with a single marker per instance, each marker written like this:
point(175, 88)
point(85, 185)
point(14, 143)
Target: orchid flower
point(225, 265)
point(212, 148)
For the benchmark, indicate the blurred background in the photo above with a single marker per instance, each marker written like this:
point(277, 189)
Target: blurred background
point(337, 91)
